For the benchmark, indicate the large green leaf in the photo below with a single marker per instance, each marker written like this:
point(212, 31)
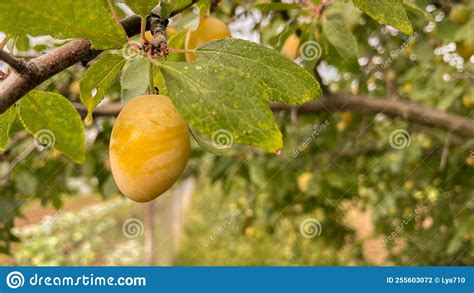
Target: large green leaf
point(169, 6)
point(52, 119)
point(6, 121)
point(142, 7)
point(338, 36)
point(135, 78)
point(99, 77)
point(223, 100)
point(389, 12)
point(88, 19)
point(284, 80)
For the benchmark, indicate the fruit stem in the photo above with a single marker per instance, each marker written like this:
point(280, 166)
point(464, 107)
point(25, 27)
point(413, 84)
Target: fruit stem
point(143, 29)
point(151, 81)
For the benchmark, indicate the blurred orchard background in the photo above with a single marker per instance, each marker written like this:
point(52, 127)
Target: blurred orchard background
point(348, 188)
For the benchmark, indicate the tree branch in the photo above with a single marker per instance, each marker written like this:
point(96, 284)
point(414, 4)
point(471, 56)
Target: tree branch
point(357, 103)
point(395, 108)
point(19, 65)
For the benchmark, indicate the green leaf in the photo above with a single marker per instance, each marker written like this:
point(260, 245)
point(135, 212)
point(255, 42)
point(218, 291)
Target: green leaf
point(411, 7)
point(338, 36)
point(141, 7)
point(88, 19)
point(134, 78)
point(223, 101)
point(99, 77)
point(6, 121)
point(283, 80)
point(276, 6)
point(169, 6)
point(466, 33)
point(22, 43)
point(177, 42)
point(389, 12)
point(52, 119)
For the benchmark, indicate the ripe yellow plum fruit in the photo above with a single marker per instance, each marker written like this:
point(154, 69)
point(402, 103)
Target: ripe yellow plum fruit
point(149, 147)
point(345, 122)
point(465, 50)
point(460, 14)
point(148, 37)
point(209, 29)
point(291, 47)
point(304, 180)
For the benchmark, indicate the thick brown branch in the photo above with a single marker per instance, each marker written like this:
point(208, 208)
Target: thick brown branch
point(346, 102)
point(395, 108)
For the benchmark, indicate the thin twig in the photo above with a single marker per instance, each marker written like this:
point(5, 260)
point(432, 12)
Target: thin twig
point(19, 65)
point(445, 153)
point(20, 158)
point(4, 43)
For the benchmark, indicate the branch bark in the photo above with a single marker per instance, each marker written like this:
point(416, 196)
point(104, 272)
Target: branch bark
point(395, 108)
point(357, 103)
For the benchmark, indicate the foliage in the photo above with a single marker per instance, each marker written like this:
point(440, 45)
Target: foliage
point(359, 48)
